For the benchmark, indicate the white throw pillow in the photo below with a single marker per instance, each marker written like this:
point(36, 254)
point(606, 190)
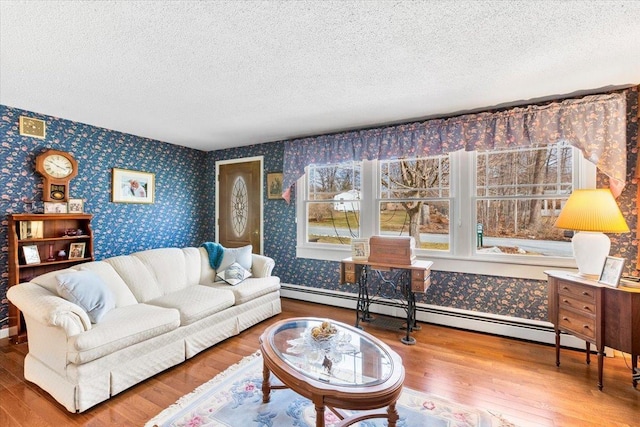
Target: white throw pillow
point(234, 274)
point(240, 255)
point(86, 289)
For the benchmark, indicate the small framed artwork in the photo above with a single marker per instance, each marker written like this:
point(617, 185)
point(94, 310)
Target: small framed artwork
point(55, 208)
point(274, 185)
point(129, 186)
point(76, 250)
point(75, 206)
point(31, 254)
point(33, 127)
point(360, 249)
point(611, 271)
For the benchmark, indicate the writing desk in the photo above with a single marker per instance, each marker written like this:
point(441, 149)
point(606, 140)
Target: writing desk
point(404, 279)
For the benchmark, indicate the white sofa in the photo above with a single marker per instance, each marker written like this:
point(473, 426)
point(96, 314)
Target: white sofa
point(167, 309)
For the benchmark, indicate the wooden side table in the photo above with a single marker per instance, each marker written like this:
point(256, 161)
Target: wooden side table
point(599, 314)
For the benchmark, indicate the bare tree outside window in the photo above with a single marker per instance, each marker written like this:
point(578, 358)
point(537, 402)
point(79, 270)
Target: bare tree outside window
point(417, 192)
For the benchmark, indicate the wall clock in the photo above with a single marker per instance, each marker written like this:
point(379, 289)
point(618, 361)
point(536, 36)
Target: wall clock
point(57, 169)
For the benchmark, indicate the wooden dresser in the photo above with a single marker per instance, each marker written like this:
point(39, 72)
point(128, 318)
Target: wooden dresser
point(599, 314)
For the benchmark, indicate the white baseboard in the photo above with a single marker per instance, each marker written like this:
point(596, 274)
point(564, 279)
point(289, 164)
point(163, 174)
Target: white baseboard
point(7, 332)
point(513, 327)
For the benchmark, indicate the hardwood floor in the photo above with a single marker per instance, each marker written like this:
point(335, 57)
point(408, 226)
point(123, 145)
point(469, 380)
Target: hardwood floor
point(514, 378)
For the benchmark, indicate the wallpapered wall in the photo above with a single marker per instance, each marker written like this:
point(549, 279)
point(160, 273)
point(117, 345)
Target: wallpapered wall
point(487, 294)
point(177, 218)
point(184, 208)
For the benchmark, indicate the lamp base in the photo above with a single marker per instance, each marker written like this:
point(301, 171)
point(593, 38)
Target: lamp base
point(590, 250)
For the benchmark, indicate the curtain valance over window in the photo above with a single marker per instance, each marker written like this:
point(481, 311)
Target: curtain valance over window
point(595, 124)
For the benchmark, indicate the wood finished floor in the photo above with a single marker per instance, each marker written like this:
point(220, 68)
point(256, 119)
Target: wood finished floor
point(514, 378)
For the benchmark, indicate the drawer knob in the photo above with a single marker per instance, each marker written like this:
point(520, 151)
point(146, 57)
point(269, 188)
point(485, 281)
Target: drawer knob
point(586, 307)
point(585, 293)
point(586, 327)
point(565, 318)
point(566, 301)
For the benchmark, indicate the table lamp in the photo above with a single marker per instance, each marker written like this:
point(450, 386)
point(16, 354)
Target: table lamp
point(591, 213)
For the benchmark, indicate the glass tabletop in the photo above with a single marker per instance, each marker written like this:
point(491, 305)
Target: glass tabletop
point(331, 352)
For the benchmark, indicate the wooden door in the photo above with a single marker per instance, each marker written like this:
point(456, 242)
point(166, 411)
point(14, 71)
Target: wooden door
point(239, 204)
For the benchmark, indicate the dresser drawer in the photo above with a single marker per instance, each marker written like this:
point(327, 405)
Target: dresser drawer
point(348, 272)
point(349, 277)
point(584, 307)
point(581, 325)
point(575, 290)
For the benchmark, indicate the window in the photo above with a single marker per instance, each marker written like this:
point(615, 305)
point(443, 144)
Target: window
point(519, 196)
point(466, 210)
point(414, 200)
point(333, 203)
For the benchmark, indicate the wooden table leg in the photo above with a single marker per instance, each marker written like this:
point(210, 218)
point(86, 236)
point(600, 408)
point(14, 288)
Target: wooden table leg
point(557, 347)
point(266, 386)
point(393, 416)
point(319, 415)
point(600, 366)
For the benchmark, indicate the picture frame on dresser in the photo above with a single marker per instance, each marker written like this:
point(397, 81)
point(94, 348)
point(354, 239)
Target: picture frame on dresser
point(75, 206)
point(359, 249)
point(55, 207)
point(611, 271)
point(76, 250)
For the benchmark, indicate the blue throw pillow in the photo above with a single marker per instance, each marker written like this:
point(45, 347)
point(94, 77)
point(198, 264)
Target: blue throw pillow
point(234, 274)
point(86, 289)
point(240, 255)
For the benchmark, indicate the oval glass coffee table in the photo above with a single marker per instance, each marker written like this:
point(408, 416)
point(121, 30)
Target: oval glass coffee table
point(345, 369)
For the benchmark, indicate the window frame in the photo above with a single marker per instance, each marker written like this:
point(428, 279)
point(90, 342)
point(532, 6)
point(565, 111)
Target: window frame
point(462, 256)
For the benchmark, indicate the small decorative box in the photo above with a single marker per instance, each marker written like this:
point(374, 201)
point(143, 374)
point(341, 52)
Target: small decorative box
point(392, 250)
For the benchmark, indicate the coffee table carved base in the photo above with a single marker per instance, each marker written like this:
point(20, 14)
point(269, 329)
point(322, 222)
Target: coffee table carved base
point(371, 397)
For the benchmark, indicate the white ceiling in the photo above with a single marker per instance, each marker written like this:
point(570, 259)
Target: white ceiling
point(212, 75)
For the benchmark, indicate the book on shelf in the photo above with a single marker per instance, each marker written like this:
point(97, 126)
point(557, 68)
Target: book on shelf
point(31, 229)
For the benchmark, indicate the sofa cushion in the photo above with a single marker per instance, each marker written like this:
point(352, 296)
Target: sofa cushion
point(251, 288)
point(137, 277)
point(120, 328)
point(86, 289)
point(167, 265)
point(234, 274)
point(196, 302)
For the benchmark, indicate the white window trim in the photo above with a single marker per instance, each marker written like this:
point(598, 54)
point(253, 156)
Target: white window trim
point(462, 257)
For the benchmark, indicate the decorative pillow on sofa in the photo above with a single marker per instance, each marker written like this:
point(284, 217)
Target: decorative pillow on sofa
point(86, 289)
point(240, 255)
point(234, 274)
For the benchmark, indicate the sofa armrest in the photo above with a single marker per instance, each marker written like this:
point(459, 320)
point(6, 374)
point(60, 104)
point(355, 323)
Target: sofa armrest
point(49, 309)
point(261, 266)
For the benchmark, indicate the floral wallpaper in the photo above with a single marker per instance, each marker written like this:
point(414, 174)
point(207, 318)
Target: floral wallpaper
point(177, 218)
point(183, 212)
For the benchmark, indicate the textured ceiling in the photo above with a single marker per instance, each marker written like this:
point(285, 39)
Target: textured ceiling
point(213, 75)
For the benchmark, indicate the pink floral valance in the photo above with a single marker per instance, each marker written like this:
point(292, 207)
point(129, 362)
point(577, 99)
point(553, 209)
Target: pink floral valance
point(595, 124)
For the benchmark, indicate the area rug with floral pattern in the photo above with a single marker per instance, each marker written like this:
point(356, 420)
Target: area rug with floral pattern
point(234, 399)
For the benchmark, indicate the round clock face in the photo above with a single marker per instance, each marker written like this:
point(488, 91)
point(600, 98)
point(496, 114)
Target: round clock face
point(58, 166)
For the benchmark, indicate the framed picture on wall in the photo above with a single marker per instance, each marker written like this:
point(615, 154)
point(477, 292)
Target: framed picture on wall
point(611, 271)
point(274, 185)
point(129, 186)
